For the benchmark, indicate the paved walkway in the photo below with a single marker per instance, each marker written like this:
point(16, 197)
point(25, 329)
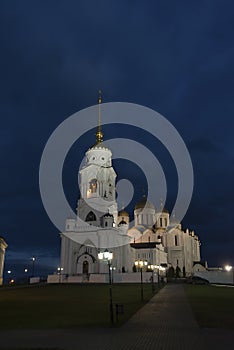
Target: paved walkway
point(165, 323)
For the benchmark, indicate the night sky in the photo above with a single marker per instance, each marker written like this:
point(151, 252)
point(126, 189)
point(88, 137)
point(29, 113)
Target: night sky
point(175, 57)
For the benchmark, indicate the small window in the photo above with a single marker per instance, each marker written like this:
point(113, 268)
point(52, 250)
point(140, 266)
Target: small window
point(176, 241)
point(161, 222)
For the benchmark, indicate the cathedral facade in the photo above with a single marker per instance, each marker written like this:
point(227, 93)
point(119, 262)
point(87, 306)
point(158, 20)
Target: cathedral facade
point(99, 225)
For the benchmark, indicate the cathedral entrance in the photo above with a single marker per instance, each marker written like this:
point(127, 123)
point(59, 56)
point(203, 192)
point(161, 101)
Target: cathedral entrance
point(85, 267)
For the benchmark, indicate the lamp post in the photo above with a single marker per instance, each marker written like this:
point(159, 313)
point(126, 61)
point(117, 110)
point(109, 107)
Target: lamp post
point(151, 267)
point(9, 273)
point(60, 271)
point(11, 280)
point(112, 273)
point(26, 274)
point(230, 268)
point(33, 265)
point(162, 269)
point(157, 267)
point(140, 264)
point(108, 256)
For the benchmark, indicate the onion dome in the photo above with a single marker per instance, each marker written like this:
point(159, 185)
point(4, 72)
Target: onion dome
point(123, 213)
point(143, 203)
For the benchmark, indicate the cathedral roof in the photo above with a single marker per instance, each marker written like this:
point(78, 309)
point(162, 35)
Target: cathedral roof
point(108, 215)
point(139, 228)
point(98, 146)
point(143, 203)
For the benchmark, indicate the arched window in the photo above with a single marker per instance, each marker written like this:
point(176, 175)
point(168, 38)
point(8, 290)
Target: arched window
point(93, 186)
point(176, 241)
point(91, 216)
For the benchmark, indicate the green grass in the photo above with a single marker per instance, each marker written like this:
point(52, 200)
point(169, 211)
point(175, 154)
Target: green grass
point(56, 306)
point(213, 306)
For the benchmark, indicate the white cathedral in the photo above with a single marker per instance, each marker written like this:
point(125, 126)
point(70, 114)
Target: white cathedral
point(99, 225)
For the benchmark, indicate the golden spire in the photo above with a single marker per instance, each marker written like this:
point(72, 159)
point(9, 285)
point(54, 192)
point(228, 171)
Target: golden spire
point(99, 134)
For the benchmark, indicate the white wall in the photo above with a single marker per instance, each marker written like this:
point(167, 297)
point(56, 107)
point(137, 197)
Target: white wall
point(219, 276)
point(134, 277)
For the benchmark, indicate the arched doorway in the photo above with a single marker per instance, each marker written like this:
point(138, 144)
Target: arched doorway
point(85, 267)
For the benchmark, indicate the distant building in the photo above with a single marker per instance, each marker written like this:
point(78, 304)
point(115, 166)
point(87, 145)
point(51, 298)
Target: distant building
point(3, 247)
point(99, 224)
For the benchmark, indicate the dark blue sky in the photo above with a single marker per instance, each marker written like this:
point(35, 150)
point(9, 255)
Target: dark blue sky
point(175, 57)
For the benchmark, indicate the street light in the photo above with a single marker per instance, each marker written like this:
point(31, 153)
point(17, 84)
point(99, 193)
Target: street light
point(60, 271)
point(112, 273)
point(33, 265)
point(140, 264)
point(9, 272)
point(108, 256)
point(151, 267)
point(159, 268)
point(229, 268)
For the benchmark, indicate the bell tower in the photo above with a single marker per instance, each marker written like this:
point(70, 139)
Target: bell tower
point(97, 180)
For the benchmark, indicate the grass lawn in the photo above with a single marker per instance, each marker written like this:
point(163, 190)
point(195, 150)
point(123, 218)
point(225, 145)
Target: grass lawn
point(213, 306)
point(56, 306)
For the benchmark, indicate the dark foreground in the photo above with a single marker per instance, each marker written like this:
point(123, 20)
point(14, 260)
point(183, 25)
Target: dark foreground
point(165, 322)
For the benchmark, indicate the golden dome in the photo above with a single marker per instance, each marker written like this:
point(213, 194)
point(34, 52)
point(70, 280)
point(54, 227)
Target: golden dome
point(123, 213)
point(143, 203)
